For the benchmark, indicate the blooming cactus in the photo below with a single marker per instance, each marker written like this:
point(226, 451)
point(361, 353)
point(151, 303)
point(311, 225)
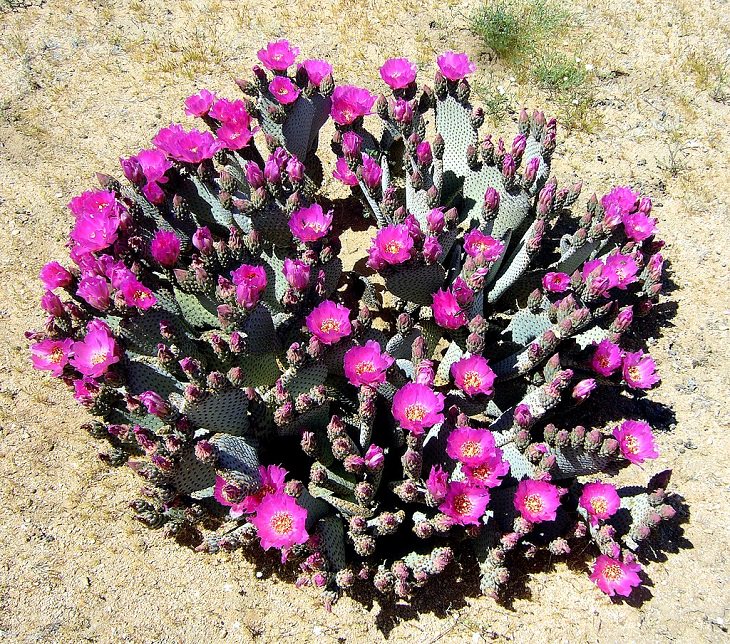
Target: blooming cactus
point(435, 392)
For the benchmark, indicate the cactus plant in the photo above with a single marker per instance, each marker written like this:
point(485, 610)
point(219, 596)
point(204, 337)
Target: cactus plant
point(368, 424)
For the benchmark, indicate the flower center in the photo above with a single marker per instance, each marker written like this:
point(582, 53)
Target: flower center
point(415, 412)
point(604, 362)
point(98, 357)
point(631, 444)
point(472, 380)
point(599, 505)
point(141, 295)
point(470, 449)
point(393, 247)
point(282, 91)
point(329, 325)
point(462, 504)
point(56, 355)
point(534, 503)
point(364, 367)
point(348, 114)
point(481, 472)
point(634, 373)
point(613, 572)
point(282, 522)
point(314, 225)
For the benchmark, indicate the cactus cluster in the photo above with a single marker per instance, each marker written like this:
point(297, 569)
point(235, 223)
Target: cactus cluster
point(371, 424)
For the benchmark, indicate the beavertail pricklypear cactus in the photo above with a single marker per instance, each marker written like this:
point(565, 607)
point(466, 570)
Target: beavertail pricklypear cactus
point(456, 389)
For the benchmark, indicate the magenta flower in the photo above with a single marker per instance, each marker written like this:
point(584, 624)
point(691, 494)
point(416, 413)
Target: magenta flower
point(374, 457)
point(343, 173)
point(227, 111)
point(165, 248)
point(97, 220)
point(95, 291)
point(295, 170)
point(636, 441)
point(477, 244)
point(473, 376)
point(283, 90)
point(417, 407)
point(402, 111)
point(278, 55)
point(600, 501)
point(317, 70)
point(349, 103)
point(191, 147)
point(464, 503)
point(621, 270)
point(203, 240)
point(470, 446)
point(424, 154)
point(436, 220)
point(199, 104)
point(621, 199)
point(296, 273)
point(556, 282)
point(437, 483)
point(51, 355)
point(155, 404)
point(93, 202)
point(85, 391)
point(272, 483)
point(398, 73)
point(455, 66)
point(366, 365)
point(394, 244)
point(250, 282)
point(446, 310)
point(329, 322)
point(310, 224)
point(54, 275)
point(522, 415)
point(639, 226)
point(489, 472)
point(222, 494)
point(137, 294)
point(280, 522)
point(431, 249)
point(371, 172)
point(153, 164)
point(606, 358)
point(51, 304)
point(614, 577)
point(272, 170)
point(537, 500)
point(96, 352)
point(583, 389)
point(639, 370)
point(351, 144)
point(234, 135)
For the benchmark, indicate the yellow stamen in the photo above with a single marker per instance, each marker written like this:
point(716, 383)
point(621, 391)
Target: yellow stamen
point(282, 522)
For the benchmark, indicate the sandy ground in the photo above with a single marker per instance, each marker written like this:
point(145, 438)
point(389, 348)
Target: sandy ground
point(84, 82)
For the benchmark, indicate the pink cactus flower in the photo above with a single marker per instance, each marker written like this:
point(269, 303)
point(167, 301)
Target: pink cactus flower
point(343, 173)
point(537, 500)
point(54, 275)
point(600, 501)
point(367, 365)
point(636, 441)
point(137, 294)
point(165, 248)
point(199, 104)
point(522, 415)
point(329, 322)
point(234, 135)
point(424, 154)
point(250, 282)
point(190, 147)
point(280, 522)
point(398, 73)
point(86, 391)
point(402, 111)
point(283, 90)
point(371, 172)
point(278, 56)
point(417, 407)
point(621, 199)
point(351, 144)
point(349, 103)
point(51, 304)
point(489, 472)
point(374, 457)
point(310, 224)
point(455, 66)
point(621, 270)
point(477, 244)
point(220, 494)
point(394, 244)
point(203, 240)
point(614, 577)
point(639, 226)
point(583, 389)
point(294, 170)
point(470, 446)
point(155, 404)
point(639, 370)
point(296, 273)
point(436, 221)
point(95, 291)
point(556, 282)
point(272, 483)
point(437, 483)
point(227, 111)
point(464, 503)
point(94, 202)
point(606, 358)
point(153, 165)
point(51, 355)
point(97, 220)
point(473, 376)
point(446, 310)
point(96, 352)
point(431, 249)
point(317, 70)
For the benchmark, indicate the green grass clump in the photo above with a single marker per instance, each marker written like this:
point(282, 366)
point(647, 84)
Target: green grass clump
point(558, 73)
